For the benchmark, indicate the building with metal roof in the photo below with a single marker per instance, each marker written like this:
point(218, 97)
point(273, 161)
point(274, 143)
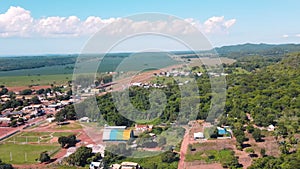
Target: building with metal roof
point(116, 134)
point(198, 135)
point(221, 131)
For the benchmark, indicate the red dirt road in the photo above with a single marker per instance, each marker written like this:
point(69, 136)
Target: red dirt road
point(183, 149)
point(20, 88)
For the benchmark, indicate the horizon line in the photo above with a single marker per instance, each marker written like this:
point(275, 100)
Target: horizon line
point(123, 52)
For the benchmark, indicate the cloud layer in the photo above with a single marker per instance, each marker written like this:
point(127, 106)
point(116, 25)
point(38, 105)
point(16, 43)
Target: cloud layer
point(291, 36)
point(18, 22)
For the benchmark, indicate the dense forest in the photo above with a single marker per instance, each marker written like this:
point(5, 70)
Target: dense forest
point(269, 94)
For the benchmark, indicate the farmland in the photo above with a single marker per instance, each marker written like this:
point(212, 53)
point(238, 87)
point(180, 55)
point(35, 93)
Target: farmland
point(55, 73)
point(12, 81)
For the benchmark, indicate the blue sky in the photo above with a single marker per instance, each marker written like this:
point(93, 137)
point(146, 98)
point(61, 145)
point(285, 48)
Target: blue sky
point(256, 21)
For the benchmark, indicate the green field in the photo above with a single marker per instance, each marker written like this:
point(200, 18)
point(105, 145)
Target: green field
point(35, 137)
point(59, 74)
point(35, 134)
point(173, 135)
point(24, 154)
point(41, 80)
point(27, 139)
point(151, 161)
point(17, 149)
point(209, 156)
point(72, 126)
point(58, 134)
point(144, 154)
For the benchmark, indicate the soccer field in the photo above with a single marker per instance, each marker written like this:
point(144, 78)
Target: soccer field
point(35, 137)
point(26, 153)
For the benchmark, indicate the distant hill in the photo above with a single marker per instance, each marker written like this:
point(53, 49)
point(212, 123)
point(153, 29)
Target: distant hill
point(236, 51)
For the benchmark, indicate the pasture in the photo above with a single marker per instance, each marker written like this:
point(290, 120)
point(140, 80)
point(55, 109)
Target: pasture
point(11, 81)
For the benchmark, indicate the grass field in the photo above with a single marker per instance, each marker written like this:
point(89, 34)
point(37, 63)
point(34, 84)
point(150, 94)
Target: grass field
point(143, 154)
point(58, 134)
point(71, 126)
point(209, 156)
point(151, 161)
point(173, 135)
point(41, 80)
point(208, 132)
point(24, 154)
point(15, 147)
point(38, 134)
point(35, 137)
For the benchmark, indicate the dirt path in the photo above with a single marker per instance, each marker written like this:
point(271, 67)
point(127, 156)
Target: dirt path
point(183, 149)
point(204, 166)
point(244, 157)
point(31, 166)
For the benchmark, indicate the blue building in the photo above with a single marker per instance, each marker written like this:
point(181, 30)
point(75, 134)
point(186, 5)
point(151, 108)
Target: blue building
point(222, 131)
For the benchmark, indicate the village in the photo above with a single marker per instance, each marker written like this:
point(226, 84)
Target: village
point(39, 116)
point(35, 111)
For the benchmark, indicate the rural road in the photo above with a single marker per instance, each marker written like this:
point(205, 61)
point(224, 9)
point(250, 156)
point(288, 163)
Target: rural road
point(183, 149)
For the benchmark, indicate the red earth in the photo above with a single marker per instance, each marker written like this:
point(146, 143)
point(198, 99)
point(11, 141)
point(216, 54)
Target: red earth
point(20, 88)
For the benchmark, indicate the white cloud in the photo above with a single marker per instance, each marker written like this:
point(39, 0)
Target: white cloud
point(15, 22)
point(298, 35)
point(19, 22)
point(285, 36)
point(218, 24)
